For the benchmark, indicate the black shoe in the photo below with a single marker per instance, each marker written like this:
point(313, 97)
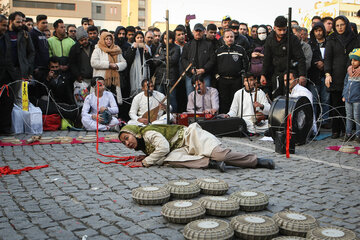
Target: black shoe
point(335, 135)
point(265, 163)
point(217, 165)
point(267, 133)
point(6, 133)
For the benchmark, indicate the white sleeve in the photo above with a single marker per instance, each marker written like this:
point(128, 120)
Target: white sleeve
point(97, 62)
point(113, 109)
point(215, 99)
point(135, 108)
point(162, 147)
point(190, 104)
point(86, 107)
point(121, 63)
point(235, 105)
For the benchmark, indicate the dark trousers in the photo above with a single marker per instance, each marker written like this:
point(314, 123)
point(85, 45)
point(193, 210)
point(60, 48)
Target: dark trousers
point(6, 106)
point(337, 112)
point(227, 89)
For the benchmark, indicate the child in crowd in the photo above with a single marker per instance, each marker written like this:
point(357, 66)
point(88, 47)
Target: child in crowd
point(351, 96)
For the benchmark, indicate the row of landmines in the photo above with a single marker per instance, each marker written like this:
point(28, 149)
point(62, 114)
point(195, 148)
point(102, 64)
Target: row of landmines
point(293, 225)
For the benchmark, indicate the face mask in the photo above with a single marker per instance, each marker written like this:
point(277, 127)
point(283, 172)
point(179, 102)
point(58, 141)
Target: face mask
point(262, 37)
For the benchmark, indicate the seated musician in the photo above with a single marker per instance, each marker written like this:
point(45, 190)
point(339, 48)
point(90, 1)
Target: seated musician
point(296, 90)
point(207, 99)
point(139, 106)
point(244, 105)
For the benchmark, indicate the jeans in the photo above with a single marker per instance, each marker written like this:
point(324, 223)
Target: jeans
point(190, 85)
point(320, 91)
point(352, 114)
point(162, 88)
point(337, 112)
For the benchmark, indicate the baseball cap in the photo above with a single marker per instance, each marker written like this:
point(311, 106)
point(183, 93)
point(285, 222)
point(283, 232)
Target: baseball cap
point(199, 26)
point(226, 18)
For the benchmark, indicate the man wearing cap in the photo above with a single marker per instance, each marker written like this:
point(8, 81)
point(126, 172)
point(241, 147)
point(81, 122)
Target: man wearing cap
point(79, 58)
point(224, 25)
point(201, 54)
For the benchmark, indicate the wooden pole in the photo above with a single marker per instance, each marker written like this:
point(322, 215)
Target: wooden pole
point(167, 69)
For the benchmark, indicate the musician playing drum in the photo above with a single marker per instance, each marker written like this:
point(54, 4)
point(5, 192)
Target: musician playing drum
point(139, 106)
point(207, 99)
point(248, 103)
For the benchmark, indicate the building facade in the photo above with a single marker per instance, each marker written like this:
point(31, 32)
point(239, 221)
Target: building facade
point(106, 13)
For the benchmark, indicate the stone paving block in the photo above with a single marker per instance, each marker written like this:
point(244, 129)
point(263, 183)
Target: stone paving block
point(34, 233)
point(88, 232)
point(148, 236)
point(109, 230)
point(134, 230)
point(73, 225)
point(169, 233)
point(149, 224)
point(10, 234)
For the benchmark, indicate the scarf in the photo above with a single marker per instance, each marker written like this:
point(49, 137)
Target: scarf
point(112, 76)
point(137, 72)
point(348, 35)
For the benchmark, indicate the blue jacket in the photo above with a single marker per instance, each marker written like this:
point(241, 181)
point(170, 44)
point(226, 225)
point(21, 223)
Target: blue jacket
point(351, 91)
point(41, 48)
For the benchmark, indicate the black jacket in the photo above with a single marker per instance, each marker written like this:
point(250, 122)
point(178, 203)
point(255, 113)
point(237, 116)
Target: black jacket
point(205, 52)
point(75, 61)
point(6, 64)
point(174, 57)
point(337, 56)
point(275, 55)
point(122, 43)
point(231, 61)
point(41, 47)
point(240, 40)
point(314, 73)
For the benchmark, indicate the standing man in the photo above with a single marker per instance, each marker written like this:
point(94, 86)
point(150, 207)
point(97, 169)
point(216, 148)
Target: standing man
point(232, 61)
point(328, 24)
point(120, 39)
point(239, 38)
point(275, 58)
point(224, 25)
point(201, 54)
point(22, 53)
point(157, 35)
point(180, 37)
point(93, 34)
point(244, 30)
point(211, 35)
point(130, 33)
point(305, 47)
point(40, 42)
point(60, 44)
point(149, 41)
point(254, 29)
point(71, 31)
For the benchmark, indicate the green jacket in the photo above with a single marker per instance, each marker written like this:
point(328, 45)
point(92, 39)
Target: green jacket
point(60, 48)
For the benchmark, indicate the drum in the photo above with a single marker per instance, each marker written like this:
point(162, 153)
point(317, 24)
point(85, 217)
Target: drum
point(302, 117)
point(189, 118)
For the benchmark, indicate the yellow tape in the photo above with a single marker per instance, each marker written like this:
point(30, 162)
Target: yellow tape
point(25, 97)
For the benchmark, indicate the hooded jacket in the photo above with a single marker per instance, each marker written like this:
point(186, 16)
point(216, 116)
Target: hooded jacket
point(122, 43)
point(41, 48)
point(338, 47)
point(314, 73)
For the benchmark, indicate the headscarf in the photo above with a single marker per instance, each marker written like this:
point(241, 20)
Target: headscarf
point(111, 76)
point(119, 41)
point(348, 35)
point(259, 42)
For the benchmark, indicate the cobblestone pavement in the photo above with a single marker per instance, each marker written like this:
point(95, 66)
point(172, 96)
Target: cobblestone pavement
point(77, 196)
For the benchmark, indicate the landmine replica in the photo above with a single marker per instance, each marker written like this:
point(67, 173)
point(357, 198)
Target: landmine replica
point(255, 227)
point(212, 186)
point(247, 226)
point(183, 211)
point(251, 201)
point(183, 189)
point(221, 206)
point(205, 229)
point(347, 149)
point(87, 138)
point(294, 223)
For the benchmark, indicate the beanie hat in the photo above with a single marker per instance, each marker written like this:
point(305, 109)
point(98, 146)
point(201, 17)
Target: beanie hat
point(355, 54)
point(80, 33)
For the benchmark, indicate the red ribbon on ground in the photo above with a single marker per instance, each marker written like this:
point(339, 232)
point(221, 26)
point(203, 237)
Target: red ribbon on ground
point(120, 159)
point(3, 88)
point(288, 135)
point(6, 170)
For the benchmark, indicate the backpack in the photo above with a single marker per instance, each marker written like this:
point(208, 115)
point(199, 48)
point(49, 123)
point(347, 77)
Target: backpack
point(256, 64)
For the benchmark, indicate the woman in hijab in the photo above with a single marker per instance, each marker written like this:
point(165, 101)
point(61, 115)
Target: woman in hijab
point(338, 46)
point(181, 146)
point(107, 61)
point(136, 57)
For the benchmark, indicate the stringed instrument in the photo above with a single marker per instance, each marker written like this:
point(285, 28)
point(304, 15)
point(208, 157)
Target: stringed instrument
point(259, 116)
point(154, 112)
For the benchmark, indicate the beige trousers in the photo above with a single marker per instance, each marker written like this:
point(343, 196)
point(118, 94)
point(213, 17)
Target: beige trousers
point(219, 153)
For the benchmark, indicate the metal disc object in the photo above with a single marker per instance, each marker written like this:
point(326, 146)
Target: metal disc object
point(347, 149)
point(150, 195)
point(183, 189)
point(254, 227)
point(330, 233)
point(288, 238)
point(250, 200)
point(219, 205)
point(294, 223)
point(46, 139)
point(182, 211)
point(212, 186)
point(206, 229)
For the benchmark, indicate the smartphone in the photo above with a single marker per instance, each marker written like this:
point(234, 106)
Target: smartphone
point(190, 16)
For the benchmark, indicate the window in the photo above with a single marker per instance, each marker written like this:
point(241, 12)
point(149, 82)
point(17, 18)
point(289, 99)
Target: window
point(142, 3)
point(98, 9)
point(141, 13)
point(141, 23)
point(46, 5)
point(115, 10)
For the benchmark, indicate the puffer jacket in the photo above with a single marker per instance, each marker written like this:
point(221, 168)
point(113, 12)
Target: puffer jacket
point(351, 91)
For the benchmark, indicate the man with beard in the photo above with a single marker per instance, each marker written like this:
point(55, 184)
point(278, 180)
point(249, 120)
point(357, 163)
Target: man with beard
point(316, 72)
point(224, 25)
point(275, 58)
point(130, 33)
point(244, 30)
point(149, 41)
point(180, 37)
point(211, 35)
point(157, 35)
point(93, 34)
point(79, 58)
point(60, 44)
point(29, 23)
point(22, 53)
point(120, 38)
point(232, 61)
point(201, 54)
